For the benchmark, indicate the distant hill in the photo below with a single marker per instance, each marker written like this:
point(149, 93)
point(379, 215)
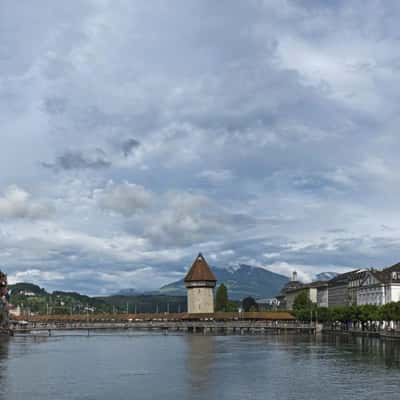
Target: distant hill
point(147, 303)
point(127, 292)
point(37, 300)
point(241, 282)
point(24, 287)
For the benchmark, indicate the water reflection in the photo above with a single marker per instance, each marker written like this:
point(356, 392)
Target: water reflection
point(367, 349)
point(197, 367)
point(4, 352)
point(200, 357)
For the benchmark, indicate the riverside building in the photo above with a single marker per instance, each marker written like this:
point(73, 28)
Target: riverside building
point(380, 287)
point(289, 292)
point(357, 287)
point(317, 292)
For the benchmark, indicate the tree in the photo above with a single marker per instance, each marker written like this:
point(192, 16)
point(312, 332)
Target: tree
point(249, 304)
point(303, 307)
point(390, 312)
point(323, 314)
point(302, 302)
point(221, 298)
point(231, 306)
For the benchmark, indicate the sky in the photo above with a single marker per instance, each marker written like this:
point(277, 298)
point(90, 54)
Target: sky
point(136, 134)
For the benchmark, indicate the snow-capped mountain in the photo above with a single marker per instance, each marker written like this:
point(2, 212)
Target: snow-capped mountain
point(243, 281)
point(325, 276)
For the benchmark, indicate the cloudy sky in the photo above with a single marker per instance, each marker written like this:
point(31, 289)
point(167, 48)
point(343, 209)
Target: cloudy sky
point(135, 134)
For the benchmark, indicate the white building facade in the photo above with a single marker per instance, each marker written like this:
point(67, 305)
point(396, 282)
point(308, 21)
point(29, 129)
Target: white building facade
point(322, 295)
point(380, 287)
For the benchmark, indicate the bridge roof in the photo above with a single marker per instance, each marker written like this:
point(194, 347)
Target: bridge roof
point(200, 271)
point(218, 316)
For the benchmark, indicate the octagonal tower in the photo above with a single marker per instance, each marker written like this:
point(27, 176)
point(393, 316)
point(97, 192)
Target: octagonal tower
point(200, 283)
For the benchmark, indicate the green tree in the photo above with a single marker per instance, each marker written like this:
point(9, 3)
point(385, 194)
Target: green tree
point(231, 306)
point(390, 311)
point(303, 308)
point(222, 300)
point(302, 302)
point(249, 304)
point(323, 314)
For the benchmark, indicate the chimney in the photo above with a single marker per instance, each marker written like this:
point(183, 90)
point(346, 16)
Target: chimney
point(294, 276)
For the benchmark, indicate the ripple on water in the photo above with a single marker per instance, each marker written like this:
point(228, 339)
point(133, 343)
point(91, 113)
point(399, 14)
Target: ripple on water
point(199, 367)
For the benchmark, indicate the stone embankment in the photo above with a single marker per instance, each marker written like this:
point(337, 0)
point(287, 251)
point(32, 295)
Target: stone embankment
point(380, 329)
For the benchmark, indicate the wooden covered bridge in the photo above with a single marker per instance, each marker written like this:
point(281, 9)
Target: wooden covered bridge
point(252, 322)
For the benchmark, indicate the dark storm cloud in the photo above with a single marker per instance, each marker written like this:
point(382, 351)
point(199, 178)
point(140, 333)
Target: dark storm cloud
point(129, 145)
point(77, 160)
point(55, 105)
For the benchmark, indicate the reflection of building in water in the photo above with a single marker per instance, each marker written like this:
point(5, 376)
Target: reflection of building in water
point(365, 349)
point(4, 350)
point(377, 350)
point(200, 360)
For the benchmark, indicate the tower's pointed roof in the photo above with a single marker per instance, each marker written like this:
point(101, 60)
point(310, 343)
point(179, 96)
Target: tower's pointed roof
point(200, 271)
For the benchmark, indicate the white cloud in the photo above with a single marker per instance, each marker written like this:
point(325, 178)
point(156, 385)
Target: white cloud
point(249, 130)
point(184, 218)
point(126, 198)
point(305, 273)
point(216, 176)
point(35, 275)
point(18, 203)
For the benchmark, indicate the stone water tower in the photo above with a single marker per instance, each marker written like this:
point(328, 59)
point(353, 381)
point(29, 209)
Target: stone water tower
point(200, 283)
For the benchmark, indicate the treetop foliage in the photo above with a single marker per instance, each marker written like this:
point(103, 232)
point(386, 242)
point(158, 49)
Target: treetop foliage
point(222, 302)
point(345, 314)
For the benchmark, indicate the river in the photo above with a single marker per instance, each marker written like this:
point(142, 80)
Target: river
point(142, 365)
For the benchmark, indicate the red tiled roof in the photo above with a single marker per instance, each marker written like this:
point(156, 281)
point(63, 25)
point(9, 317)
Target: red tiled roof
point(218, 316)
point(200, 271)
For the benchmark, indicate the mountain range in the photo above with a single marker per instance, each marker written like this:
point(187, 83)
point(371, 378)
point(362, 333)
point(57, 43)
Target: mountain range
point(241, 282)
point(127, 292)
point(325, 276)
point(246, 280)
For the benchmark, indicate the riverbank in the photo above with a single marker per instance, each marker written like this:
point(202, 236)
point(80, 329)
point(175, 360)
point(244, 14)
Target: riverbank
point(384, 334)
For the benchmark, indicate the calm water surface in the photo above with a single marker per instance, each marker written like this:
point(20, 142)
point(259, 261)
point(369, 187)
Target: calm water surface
point(152, 366)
